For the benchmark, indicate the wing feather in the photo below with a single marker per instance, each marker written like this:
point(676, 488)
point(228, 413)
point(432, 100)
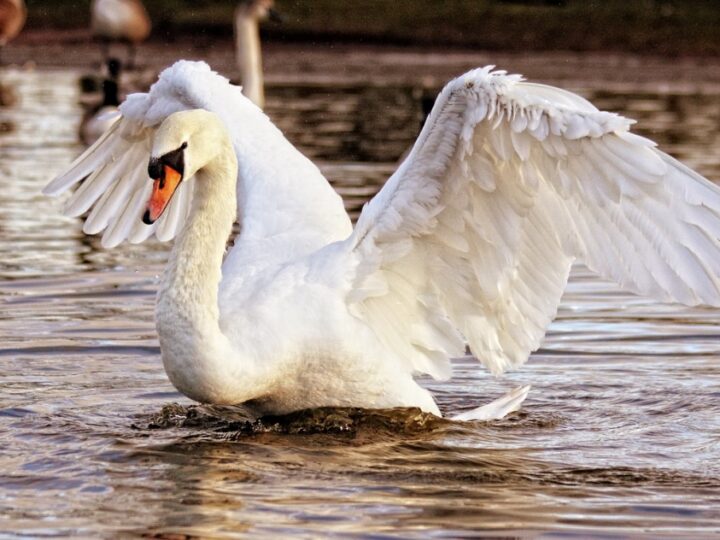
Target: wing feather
point(89, 191)
point(112, 173)
point(85, 163)
point(508, 184)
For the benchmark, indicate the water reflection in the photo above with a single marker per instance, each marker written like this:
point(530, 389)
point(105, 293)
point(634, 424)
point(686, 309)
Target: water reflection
point(620, 430)
point(373, 481)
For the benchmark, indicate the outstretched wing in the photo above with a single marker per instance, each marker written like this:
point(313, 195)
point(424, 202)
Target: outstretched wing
point(112, 173)
point(114, 185)
point(509, 182)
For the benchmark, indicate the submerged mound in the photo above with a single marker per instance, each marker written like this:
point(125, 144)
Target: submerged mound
point(238, 421)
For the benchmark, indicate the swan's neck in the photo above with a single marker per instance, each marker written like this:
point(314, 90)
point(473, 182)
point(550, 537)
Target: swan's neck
point(193, 272)
point(197, 356)
point(247, 42)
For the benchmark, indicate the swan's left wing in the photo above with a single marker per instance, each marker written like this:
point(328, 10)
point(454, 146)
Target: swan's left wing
point(112, 176)
point(473, 237)
point(114, 188)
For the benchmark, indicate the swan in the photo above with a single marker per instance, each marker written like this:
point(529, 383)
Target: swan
point(120, 20)
point(247, 44)
point(99, 118)
point(12, 18)
point(471, 240)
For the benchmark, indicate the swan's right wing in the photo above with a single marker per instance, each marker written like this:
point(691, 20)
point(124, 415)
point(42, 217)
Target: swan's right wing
point(111, 175)
point(509, 182)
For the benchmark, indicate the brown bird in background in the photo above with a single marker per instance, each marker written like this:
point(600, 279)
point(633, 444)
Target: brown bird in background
point(124, 21)
point(12, 19)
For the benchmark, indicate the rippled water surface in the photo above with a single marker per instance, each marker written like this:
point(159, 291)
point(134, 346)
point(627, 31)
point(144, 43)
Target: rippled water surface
point(620, 434)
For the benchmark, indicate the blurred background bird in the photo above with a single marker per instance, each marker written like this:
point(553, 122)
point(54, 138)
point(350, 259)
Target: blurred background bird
point(125, 21)
point(98, 118)
point(248, 15)
point(12, 19)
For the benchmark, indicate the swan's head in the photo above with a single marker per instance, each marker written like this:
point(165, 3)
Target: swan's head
point(185, 142)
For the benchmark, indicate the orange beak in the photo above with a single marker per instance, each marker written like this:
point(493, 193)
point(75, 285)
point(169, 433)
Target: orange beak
point(162, 191)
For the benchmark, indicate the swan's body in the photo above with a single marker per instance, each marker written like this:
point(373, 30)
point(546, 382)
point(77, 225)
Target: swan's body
point(12, 18)
point(120, 20)
point(471, 240)
point(248, 14)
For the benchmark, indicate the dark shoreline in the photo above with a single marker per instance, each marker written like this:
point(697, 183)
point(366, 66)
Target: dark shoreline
point(672, 28)
point(300, 63)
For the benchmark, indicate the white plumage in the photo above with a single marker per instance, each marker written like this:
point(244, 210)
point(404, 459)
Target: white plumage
point(470, 241)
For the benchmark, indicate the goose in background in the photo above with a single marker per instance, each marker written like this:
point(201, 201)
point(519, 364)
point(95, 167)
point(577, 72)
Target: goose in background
point(470, 241)
point(98, 119)
point(248, 15)
point(124, 21)
point(12, 18)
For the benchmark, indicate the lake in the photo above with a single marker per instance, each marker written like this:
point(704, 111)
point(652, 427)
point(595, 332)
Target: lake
point(620, 434)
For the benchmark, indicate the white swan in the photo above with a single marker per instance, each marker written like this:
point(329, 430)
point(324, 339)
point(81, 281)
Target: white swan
point(247, 44)
point(470, 240)
point(120, 20)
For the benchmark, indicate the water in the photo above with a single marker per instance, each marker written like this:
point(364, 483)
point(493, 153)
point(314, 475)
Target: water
point(620, 434)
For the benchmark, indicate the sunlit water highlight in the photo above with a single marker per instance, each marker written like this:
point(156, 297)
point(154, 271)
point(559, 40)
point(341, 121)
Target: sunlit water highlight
point(620, 434)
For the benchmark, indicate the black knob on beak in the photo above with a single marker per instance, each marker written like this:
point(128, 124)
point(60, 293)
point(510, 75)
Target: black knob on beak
point(155, 168)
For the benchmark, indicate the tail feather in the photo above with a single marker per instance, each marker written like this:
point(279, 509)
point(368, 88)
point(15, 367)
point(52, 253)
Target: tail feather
point(495, 410)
